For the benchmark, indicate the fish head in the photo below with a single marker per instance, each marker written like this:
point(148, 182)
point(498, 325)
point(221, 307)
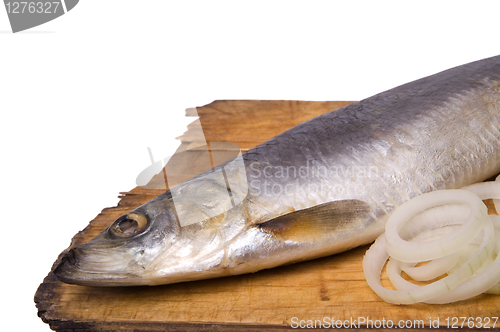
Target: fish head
point(159, 242)
point(120, 254)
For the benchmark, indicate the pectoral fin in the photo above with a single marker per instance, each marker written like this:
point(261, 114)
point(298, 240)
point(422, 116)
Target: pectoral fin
point(319, 221)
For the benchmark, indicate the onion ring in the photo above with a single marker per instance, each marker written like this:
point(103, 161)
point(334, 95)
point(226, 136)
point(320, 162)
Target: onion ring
point(414, 252)
point(467, 249)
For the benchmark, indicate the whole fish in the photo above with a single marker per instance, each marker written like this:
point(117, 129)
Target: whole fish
point(319, 188)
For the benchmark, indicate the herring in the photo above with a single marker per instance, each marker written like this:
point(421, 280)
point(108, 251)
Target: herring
point(322, 187)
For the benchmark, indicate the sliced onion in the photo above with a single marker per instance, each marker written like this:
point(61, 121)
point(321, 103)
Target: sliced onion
point(373, 264)
point(434, 223)
point(484, 278)
point(496, 221)
point(485, 190)
point(432, 270)
point(414, 252)
point(465, 244)
point(481, 282)
point(439, 266)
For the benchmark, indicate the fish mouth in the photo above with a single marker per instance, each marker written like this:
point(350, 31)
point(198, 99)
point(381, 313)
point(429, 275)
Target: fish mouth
point(73, 269)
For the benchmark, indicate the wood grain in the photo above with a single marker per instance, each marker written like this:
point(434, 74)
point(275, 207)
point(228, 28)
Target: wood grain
point(332, 287)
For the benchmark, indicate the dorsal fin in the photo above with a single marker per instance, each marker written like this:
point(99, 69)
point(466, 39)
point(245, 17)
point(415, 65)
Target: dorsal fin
point(319, 221)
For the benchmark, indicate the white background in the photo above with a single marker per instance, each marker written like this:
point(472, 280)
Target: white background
point(83, 96)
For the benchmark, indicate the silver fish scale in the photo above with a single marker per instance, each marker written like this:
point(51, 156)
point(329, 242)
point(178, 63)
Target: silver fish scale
point(435, 133)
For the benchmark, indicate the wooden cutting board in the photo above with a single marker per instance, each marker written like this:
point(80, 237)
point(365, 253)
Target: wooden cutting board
point(327, 289)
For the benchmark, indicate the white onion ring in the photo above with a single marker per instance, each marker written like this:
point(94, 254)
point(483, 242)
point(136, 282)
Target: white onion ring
point(413, 252)
point(373, 264)
point(446, 222)
point(496, 221)
point(434, 223)
point(485, 190)
point(433, 269)
point(467, 287)
point(478, 267)
point(481, 282)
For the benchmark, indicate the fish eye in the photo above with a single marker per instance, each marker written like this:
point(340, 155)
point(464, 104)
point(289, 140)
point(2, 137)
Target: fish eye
point(129, 225)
